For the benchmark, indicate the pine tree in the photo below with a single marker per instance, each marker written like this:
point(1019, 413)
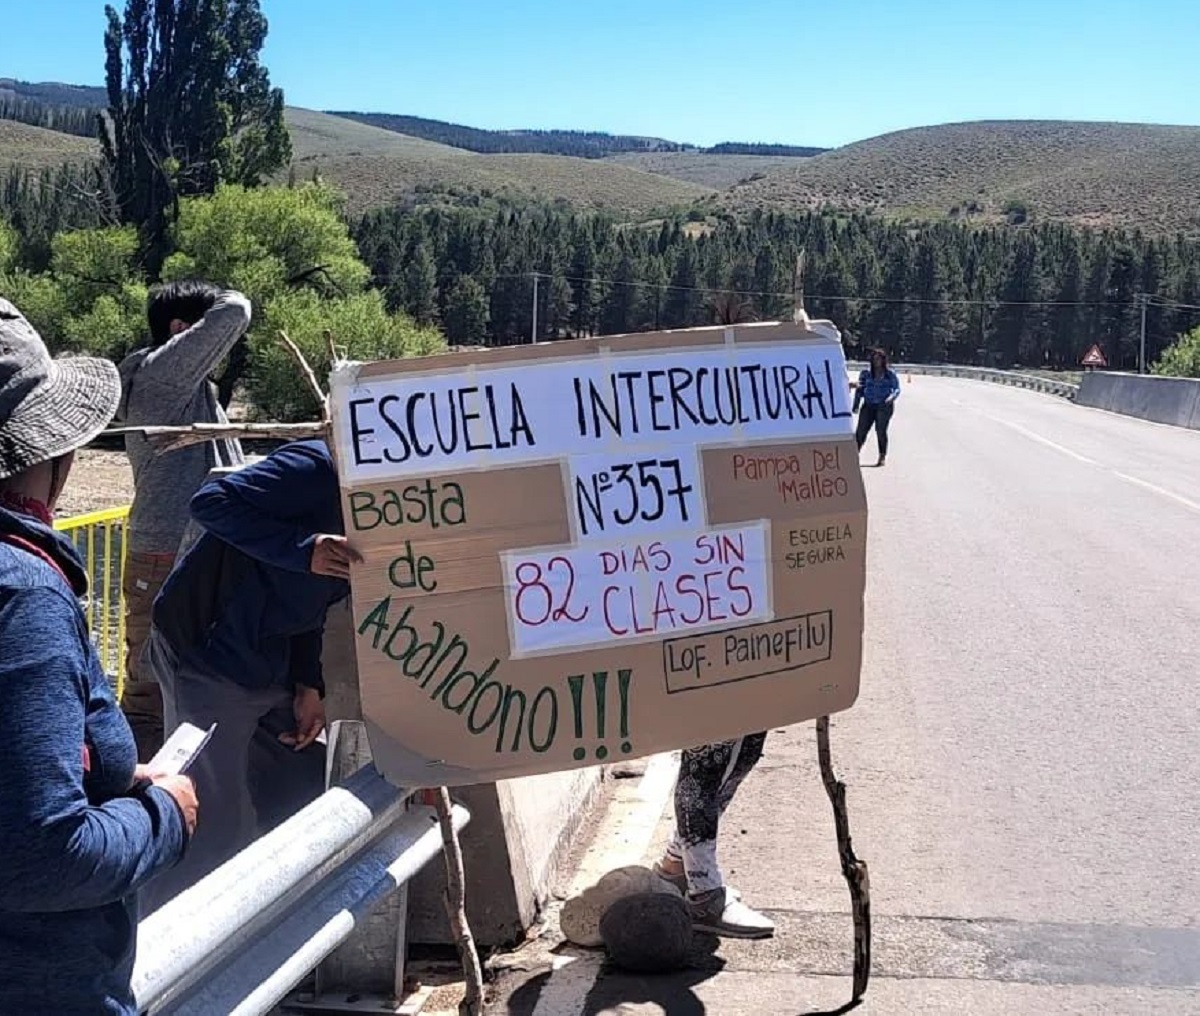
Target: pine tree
point(189, 107)
point(420, 280)
point(886, 318)
point(467, 313)
point(619, 313)
point(771, 282)
point(1119, 326)
point(585, 302)
point(684, 303)
point(929, 317)
point(1017, 318)
point(1067, 343)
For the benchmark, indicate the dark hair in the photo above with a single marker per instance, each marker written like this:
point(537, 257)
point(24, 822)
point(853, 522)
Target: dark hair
point(187, 301)
point(881, 353)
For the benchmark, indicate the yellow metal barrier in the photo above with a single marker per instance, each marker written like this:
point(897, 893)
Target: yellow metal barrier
point(100, 539)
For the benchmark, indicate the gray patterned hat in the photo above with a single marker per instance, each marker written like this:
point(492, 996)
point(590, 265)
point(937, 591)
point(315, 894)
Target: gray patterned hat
point(48, 407)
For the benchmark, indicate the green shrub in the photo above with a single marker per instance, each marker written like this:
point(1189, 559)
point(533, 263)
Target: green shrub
point(10, 246)
point(257, 240)
point(40, 299)
point(112, 326)
point(1181, 358)
point(362, 329)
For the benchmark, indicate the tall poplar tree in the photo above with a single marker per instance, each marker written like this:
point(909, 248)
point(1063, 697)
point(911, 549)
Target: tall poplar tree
point(189, 107)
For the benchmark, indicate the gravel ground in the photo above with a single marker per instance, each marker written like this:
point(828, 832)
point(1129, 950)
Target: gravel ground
point(100, 479)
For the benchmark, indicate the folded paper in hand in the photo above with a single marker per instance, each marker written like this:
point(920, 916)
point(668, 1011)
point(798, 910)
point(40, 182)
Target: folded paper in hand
point(181, 750)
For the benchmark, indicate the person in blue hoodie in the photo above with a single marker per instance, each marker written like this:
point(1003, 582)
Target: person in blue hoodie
point(82, 827)
point(236, 641)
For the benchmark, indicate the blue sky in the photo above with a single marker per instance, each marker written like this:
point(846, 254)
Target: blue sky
point(699, 71)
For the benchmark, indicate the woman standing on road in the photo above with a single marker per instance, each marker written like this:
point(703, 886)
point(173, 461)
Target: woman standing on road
point(877, 391)
point(81, 828)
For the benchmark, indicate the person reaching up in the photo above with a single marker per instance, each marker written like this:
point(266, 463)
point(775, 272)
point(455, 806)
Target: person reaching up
point(193, 327)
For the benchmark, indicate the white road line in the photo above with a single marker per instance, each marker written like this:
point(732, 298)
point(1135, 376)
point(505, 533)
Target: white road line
point(1038, 438)
point(1145, 484)
point(1179, 498)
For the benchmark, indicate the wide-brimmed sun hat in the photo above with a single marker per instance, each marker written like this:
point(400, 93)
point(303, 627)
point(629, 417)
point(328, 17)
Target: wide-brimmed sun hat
point(48, 407)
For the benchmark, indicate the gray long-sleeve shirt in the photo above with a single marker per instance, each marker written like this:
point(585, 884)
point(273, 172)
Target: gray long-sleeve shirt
point(170, 386)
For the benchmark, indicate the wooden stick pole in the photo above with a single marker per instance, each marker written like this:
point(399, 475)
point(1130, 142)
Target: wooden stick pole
point(853, 870)
point(456, 911)
point(307, 371)
point(167, 439)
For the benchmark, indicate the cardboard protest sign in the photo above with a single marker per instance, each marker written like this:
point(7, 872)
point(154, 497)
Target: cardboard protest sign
point(582, 551)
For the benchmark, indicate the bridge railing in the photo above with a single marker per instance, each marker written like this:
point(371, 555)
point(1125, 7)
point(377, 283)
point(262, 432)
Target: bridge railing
point(240, 940)
point(99, 537)
point(1015, 379)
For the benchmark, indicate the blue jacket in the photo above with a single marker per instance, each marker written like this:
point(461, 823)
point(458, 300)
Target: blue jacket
point(242, 604)
point(875, 391)
point(76, 842)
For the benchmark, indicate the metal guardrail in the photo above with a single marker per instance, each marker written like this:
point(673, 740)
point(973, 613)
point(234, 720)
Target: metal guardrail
point(1032, 382)
point(241, 939)
point(99, 537)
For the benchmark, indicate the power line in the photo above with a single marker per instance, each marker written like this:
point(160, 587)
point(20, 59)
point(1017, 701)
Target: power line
point(1163, 301)
point(833, 298)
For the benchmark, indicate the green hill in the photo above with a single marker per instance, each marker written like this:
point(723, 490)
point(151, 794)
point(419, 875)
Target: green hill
point(1093, 174)
point(377, 167)
point(1090, 174)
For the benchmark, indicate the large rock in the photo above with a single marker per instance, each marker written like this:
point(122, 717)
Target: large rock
point(648, 933)
point(581, 915)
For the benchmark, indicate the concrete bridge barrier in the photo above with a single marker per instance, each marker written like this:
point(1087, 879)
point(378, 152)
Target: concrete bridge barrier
point(1170, 400)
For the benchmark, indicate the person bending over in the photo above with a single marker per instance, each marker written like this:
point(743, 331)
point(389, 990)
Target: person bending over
point(237, 639)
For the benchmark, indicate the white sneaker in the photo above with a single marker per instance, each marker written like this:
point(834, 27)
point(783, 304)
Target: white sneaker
point(721, 912)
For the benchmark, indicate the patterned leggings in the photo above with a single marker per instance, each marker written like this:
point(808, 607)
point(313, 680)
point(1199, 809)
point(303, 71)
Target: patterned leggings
point(708, 779)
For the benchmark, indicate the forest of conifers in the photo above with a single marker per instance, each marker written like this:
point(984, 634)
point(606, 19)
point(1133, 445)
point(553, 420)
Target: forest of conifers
point(1036, 295)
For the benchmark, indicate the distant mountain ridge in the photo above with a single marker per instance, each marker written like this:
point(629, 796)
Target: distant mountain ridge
point(64, 107)
point(54, 93)
point(579, 144)
point(1092, 174)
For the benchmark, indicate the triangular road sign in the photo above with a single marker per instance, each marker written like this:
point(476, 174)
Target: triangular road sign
point(1094, 358)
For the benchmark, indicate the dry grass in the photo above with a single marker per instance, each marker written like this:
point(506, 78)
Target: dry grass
point(1090, 174)
point(1093, 174)
point(716, 171)
point(377, 167)
point(36, 147)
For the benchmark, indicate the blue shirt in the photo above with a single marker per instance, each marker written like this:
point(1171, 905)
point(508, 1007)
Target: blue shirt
point(877, 390)
point(76, 843)
point(242, 604)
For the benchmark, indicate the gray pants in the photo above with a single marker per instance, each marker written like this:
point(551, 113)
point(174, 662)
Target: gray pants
point(246, 781)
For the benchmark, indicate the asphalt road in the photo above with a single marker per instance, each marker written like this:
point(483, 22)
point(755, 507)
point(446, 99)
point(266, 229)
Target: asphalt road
point(1024, 761)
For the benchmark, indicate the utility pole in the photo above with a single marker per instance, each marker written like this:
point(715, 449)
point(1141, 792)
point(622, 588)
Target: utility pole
point(798, 314)
point(1145, 298)
point(533, 332)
